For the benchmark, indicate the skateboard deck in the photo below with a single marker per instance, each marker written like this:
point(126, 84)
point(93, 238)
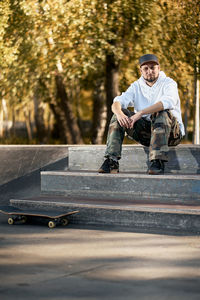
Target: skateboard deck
point(17, 215)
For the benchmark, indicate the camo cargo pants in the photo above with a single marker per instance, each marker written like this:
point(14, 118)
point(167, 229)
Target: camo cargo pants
point(158, 134)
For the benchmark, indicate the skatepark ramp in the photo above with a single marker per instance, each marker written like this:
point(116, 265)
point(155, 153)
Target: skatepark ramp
point(20, 167)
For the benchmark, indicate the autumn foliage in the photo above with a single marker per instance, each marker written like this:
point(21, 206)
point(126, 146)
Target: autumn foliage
point(63, 61)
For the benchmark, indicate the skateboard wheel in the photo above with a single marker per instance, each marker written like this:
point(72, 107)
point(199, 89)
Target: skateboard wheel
point(52, 224)
point(10, 221)
point(64, 222)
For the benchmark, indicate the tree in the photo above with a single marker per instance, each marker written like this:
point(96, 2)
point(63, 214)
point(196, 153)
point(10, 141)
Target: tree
point(181, 44)
point(190, 32)
point(71, 55)
point(104, 33)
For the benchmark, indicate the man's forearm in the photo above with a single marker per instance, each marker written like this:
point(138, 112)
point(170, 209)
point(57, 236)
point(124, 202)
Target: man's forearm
point(149, 110)
point(129, 122)
point(116, 108)
point(152, 109)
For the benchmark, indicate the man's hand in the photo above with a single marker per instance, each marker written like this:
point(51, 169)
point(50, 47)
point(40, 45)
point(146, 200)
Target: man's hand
point(134, 118)
point(121, 117)
point(123, 120)
point(127, 122)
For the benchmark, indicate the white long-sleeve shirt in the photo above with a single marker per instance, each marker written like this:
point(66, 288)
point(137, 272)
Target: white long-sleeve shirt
point(140, 95)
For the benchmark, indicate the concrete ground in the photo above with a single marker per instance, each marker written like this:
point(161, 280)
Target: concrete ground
point(96, 263)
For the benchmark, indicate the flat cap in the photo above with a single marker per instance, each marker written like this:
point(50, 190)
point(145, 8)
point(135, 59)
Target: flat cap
point(148, 58)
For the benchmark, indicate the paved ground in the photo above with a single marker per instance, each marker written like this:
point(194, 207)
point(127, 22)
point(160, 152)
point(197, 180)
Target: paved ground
point(89, 263)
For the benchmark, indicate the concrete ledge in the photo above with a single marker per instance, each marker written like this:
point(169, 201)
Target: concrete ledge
point(183, 159)
point(160, 188)
point(182, 219)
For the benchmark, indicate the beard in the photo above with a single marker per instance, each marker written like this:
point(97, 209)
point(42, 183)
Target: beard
point(151, 79)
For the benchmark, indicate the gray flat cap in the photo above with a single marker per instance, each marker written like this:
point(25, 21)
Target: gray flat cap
point(148, 58)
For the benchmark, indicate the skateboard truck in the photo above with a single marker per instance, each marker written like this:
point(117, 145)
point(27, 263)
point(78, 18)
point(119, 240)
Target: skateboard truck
point(54, 223)
point(12, 220)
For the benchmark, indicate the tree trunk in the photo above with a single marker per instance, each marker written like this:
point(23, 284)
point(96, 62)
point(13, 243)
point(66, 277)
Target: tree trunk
point(112, 86)
point(196, 105)
point(61, 130)
point(13, 130)
point(1, 123)
point(28, 123)
point(39, 119)
point(74, 135)
point(5, 116)
point(99, 113)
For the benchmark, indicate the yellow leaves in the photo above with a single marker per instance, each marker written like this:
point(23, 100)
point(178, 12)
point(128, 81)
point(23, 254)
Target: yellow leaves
point(29, 7)
point(79, 34)
point(4, 15)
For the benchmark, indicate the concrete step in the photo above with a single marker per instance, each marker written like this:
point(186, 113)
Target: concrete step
point(126, 214)
point(184, 189)
point(183, 159)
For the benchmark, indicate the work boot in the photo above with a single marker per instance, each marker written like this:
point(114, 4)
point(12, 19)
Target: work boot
point(109, 166)
point(157, 167)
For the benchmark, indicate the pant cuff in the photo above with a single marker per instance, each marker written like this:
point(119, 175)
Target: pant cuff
point(162, 156)
point(113, 157)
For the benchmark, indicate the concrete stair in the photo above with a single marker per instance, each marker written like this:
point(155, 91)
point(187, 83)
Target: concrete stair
point(126, 215)
point(183, 189)
point(130, 199)
point(183, 159)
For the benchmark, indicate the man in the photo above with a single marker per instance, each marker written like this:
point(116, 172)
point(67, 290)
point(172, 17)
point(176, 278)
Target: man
point(156, 121)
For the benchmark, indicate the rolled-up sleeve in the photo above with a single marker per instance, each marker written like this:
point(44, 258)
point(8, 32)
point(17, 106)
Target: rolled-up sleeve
point(126, 99)
point(170, 96)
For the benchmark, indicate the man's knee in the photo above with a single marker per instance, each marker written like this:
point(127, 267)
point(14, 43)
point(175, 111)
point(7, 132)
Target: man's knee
point(127, 112)
point(159, 129)
point(115, 128)
point(160, 117)
point(161, 123)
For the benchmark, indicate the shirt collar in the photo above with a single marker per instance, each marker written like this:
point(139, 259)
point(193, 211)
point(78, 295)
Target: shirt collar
point(161, 77)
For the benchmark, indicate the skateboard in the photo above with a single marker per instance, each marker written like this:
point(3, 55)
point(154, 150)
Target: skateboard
point(17, 215)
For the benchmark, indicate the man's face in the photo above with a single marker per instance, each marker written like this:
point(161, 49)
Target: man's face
point(150, 71)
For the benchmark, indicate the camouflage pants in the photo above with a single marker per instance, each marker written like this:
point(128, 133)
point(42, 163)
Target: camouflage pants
point(158, 134)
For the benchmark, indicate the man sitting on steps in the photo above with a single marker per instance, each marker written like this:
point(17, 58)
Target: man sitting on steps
point(156, 121)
